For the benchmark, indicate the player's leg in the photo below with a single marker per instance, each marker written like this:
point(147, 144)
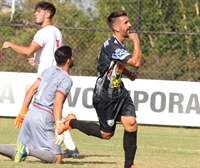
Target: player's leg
point(44, 155)
point(24, 138)
point(129, 139)
point(41, 134)
point(71, 149)
point(128, 119)
point(88, 128)
point(104, 130)
point(7, 151)
point(11, 153)
point(45, 130)
point(47, 156)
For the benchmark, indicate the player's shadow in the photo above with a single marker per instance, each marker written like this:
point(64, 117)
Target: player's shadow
point(85, 156)
point(74, 160)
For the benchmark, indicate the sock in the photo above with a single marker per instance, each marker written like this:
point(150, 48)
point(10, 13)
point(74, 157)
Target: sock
point(46, 156)
point(8, 151)
point(89, 128)
point(130, 147)
point(68, 141)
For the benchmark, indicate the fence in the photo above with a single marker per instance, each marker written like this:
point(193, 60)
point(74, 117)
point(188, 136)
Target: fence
point(168, 30)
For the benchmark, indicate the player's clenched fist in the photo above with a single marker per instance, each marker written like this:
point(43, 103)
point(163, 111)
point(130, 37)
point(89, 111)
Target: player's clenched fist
point(5, 45)
point(134, 37)
point(20, 118)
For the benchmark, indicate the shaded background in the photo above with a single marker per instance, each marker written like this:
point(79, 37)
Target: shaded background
point(169, 34)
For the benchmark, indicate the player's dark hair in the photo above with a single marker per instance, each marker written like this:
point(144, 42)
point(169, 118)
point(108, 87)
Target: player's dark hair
point(62, 54)
point(114, 16)
point(46, 6)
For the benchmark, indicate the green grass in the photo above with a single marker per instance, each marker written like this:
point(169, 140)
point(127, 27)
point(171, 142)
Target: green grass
point(158, 147)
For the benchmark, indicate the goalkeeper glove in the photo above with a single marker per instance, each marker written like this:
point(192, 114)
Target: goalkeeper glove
point(58, 139)
point(20, 118)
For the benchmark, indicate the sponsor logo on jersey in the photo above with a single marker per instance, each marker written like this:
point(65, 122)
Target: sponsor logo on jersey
point(120, 54)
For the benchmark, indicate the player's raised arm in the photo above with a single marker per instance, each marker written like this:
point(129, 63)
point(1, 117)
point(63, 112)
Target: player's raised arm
point(136, 59)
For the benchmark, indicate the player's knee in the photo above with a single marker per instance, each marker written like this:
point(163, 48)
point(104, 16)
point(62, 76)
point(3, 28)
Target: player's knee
point(131, 127)
point(107, 136)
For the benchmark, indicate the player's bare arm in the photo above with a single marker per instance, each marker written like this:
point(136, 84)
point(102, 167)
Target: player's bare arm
point(58, 106)
point(23, 50)
point(27, 100)
point(30, 93)
point(130, 74)
point(57, 111)
point(136, 59)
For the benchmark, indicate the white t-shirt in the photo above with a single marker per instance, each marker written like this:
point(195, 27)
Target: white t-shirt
point(49, 38)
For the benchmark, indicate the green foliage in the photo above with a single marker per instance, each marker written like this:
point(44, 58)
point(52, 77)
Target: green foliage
point(6, 32)
point(170, 57)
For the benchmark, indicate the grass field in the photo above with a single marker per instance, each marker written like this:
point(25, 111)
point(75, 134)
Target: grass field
point(158, 147)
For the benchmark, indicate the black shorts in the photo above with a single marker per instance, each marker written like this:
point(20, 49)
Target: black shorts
point(108, 108)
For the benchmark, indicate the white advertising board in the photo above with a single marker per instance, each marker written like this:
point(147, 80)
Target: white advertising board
point(157, 102)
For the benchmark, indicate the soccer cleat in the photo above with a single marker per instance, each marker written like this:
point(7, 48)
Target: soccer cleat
point(21, 153)
point(65, 125)
point(70, 153)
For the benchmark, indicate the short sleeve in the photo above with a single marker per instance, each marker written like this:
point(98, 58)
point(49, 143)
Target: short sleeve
point(65, 85)
point(121, 54)
point(38, 38)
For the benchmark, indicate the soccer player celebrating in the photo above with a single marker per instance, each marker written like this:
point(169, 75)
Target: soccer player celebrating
point(111, 99)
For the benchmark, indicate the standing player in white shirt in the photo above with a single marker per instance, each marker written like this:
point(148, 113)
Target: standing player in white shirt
point(43, 46)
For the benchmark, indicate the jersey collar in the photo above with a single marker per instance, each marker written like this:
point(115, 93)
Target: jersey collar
point(48, 25)
point(122, 44)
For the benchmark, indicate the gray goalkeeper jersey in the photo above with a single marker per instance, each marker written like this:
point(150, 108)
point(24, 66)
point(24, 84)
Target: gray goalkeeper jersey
point(38, 128)
point(53, 79)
